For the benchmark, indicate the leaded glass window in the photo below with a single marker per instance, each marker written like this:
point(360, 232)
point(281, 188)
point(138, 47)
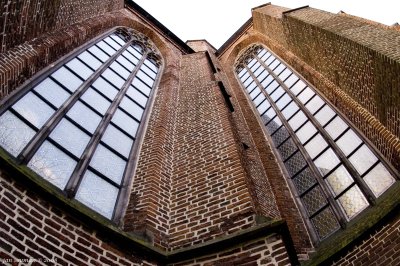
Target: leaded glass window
point(335, 173)
point(76, 126)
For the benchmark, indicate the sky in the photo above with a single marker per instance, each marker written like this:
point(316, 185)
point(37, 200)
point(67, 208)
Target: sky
point(217, 20)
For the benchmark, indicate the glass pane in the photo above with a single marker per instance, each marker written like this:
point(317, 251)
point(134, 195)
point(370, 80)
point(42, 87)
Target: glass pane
point(326, 161)
point(279, 69)
point(120, 70)
point(70, 137)
point(151, 65)
point(252, 62)
point(283, 101)
point(267, 81)
point(262, 76)
point(112, 43)
point(306, 132)
point(137, 96)
point(258, 71)
point(336, 127)
point(314, 200)
point(259, 99)
point(353, 202)
point(339, 180)
point(130, 57)
point(379, 179)
point(134, 52)
point(274, 64)
point(261, 53)
point(295, 163)
point(106, 48)
point(148, 71)
point(251, 87)
point(14, 134)
point(305, 95)
point(90, 60)
point(325, 223)
point(274, 125)
point(315, 104)
point(117, 140)
point(125, 122)
point(52, 164)
point(98, 194)
point(363, 159)
point(268, 115)
point(118, 39)
point(95, 100)
point(291, 80)
point(99, 53)
point(265, 56)
point(348, 142)
point(108, 163)
point(33, 109)
point(106, 88)
point(277, 94)
point(315, 146)
point(113, 78)
point(141, 86)
point(247, 82)
point(270, 59)
point(255, 66)
point(263, 107)
point(84, 117)
point(304, 180)
point(324, 115)
point(287, 149)
point(290, 110)
point(298, 87)
point(255, 93)
point(79, 68)
point(297, 120)
point(66, 78)
point(125, 63)
point(271, 87)
point(285, 74)
point(280, 136)
point(132, 108)
point(52, 92)
point(245, 76)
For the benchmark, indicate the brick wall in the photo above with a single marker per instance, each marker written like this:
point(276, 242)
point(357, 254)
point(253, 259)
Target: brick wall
point(22, 20)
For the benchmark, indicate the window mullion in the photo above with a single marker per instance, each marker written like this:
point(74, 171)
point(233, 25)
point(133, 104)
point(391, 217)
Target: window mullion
point(80, 169)
point(366, 190)
point(339, 215)
point(28, 152)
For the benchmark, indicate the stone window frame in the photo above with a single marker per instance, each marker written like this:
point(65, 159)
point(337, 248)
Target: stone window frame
point(249, 62)
point(149, 67)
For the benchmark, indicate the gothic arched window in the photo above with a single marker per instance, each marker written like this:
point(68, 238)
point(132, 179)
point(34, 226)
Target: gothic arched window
point(332, 169)
point(77, 124)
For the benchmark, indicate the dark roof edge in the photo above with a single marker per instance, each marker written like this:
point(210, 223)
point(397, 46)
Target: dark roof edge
point(266, 4)
point(235, 36)
point(159, 25)
point(202, 40)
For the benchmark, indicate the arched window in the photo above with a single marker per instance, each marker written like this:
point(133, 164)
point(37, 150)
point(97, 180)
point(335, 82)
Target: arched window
point(77, 124)
point(330, 167)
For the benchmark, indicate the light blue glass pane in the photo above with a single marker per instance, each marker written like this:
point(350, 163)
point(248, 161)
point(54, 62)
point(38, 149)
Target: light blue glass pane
point(52, 92)
point(267, 81)
point(130, 57)
point(125, 122)
point(259, 99)
point(118, 39)
point(123, 61)
point(14, 134)
point(132, 108)
point(137, 96)
point(298, 87)
point(79, 68)
point(113, 78)
point(291, 80)
point(297, 120)
point(255, 93)
point(70, 137)
point(108, 163)
point(305, 95)
point(90, 60)
point(271, 87)
point(117, 140)
point(277, 94)
point(120, 70)
point(135, 52)
point(248, 81)
point(99, 53)
point(148, 71)
point(348, 142)
point(363, 159)
point(52, 164)
point(314, 104)
point(141, 86)
point(84, 116)
point(324, 115)
point(145, 78)
point(315, 146)
point(33, 109)
point(283, 101)
point(336, 127)
point(112, 43)
point(67, 78)
point(245, 76)
point(97, 194)
point(106, 88)
point(95, 100)
point(106, 48)
point(290, 110)
point(263, 107)
point(306, 131)
point(262, 76)
point(151, 65)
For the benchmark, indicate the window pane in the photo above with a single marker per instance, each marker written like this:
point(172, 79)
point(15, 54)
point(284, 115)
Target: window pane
point(108, 163)
point(379, 179)
point(305, 95)
point(96, 101)
point(274, 125)
point(245, 76)
point(90, 60)
point(52, 92)
point(315, 104)
point(258, 71)
point(125, 122)
point(262, 76)
point(259, 99)
point(363, 159)
point(326, 161)
point(106, 88)
point(325, 223)
point(251, 87)
point(130, 57)
point(263, 107)
point(66, 78)
point(279, 69)
point(277, 94)
point(84, 117)
point(290, 110)
point(120, 70)
point(283, 101)
point(270, 59)
point(106, 48)
point(137, 96)
point(117, 140)
point(297, 120)
point(298, 87)
point(255, 67)
point(70, 137)
point(271, 87)
point(314, 200)
point(148, 71)
point(255, 93)
point(98, 194)
point(134, 52)
point(315, 146)
point(279, 136)
point(132, 108)
point(267, 81)
point(287, 149)
point(151, 65)
point(295, 163)
point(14, 134)
point(113, 78)
point(52, 164)
point(265, 56)
point(99, 53)
point(285, 74)
point(353, 202)
point(306, 132)
point(125, 63)
point(304, 180)
point(79, 68)
point(247, 82)
point(270, 114)
point(141, 86)
point(252, 63)
point(348, 142)
point(118, 39)
point(324, 115)
point(339, 180)
point(33, 109)
point(112, 43)
point(336, 127)
point(274, 64)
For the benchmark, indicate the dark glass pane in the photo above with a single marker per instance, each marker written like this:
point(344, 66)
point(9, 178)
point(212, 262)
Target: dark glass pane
point(106, 88)
point(137, 96)
point(325, 223)
point(287, 149)
point(79, 68)
point(273, 125)
point(304, 180)
point(52, 92)
point(33, 109)
point(67, 79)
point(314, 200)
point(295, 163)
point(279, 136)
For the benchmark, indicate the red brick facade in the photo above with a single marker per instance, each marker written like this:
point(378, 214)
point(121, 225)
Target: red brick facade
point(208, 188)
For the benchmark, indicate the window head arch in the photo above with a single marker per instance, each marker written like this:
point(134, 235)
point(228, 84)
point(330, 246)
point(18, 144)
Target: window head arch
point(78, 125)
